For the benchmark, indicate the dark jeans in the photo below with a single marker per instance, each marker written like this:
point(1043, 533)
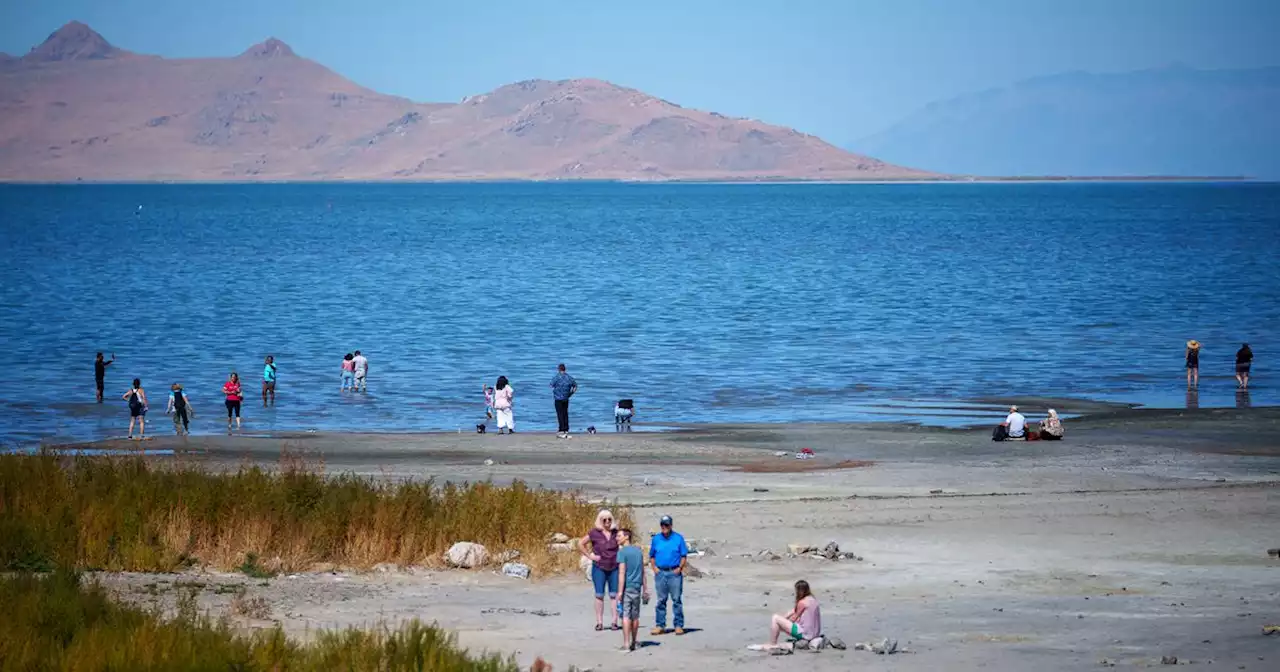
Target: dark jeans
point(562, 415)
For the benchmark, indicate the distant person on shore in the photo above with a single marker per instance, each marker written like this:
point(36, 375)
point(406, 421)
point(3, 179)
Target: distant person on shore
point(1051, 429)
point(668, 553)
point(1015, 424)
point(269, 381)
point(100, 372)
point(348, 372)
point(488, 402)
point(600, 546)
point(1193, 363)
point(504, 406)
point(180, 408)
point(1244, 361)
point(804, 621)
point(234, 396)
point(563, 386)
point(137, 398)
point(623, 412)
point(361, 370)
point(633, 588)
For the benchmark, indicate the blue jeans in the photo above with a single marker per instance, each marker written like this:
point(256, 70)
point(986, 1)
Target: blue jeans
point(669, 584)
point(604, 578)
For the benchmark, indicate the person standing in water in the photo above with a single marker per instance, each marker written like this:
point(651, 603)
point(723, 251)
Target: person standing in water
point(100, 372)
point(137, 398)
point(361, 369)
point(1193, 363)
point(1244, 361)
point(269, 381)
point(234, 396)
point(563, 386)
point(181, 410)
point(348, 372)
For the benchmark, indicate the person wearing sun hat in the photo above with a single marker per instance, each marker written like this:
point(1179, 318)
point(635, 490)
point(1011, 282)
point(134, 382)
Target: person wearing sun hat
point(1193, 363)
point(668, 554)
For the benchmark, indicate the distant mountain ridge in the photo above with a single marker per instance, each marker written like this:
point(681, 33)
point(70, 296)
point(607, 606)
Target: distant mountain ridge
point(77, 107)
point(1175, 120)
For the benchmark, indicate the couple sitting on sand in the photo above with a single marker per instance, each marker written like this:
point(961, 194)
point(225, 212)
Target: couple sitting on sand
point(1014, 428)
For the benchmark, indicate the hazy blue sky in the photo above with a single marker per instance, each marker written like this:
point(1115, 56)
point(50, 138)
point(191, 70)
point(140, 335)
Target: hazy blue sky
point(840, 69)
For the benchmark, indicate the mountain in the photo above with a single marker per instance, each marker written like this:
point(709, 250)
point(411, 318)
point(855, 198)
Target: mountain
point(77, 107)
point(1167, 121)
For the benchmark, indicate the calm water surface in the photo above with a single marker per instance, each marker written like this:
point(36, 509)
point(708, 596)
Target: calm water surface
point(703, 302)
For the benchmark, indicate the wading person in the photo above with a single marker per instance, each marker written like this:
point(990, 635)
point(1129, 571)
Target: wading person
point(361, 370)
point(180, 408)
point(804, 621)
point(234, 396)
point(504, 406)
point(137, 398)
point(563, 386)
point(600, 546)
point(1193, 363)
point(100, 372)
point(633, 589)
point(348, 372)
point(1244, 361)
point(269, 381)
point(668, 554)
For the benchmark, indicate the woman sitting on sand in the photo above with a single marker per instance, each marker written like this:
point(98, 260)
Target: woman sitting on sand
point(600, 546)
point(1051, 429)
point(803, 622)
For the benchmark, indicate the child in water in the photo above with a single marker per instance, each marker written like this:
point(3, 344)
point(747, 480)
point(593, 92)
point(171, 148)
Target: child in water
point(488, 402)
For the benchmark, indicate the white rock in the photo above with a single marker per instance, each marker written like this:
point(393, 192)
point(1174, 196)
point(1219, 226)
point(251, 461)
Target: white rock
point(558, 538)
point(584, 563)
point(560, 548)
point(516, 570)
point(466, 554)
point(488, 463)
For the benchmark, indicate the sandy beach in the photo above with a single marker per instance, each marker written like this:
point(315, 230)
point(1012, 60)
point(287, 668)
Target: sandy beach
point(1143, 535)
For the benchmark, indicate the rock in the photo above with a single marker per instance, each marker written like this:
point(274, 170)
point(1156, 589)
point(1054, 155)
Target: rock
point(836, 643)
point(488, 463)
point(767, 554)
point(693, 572)
point(1168, 660)
point(800, 549)
point(516, 570)
point(560, 548)
point(780, 453)
point(800, 644)
point(831, 551)
point(584, 564)
point(466, 555)
point(759, 489)
point(385, 567)
point(1274, 552)
point(781, 651)
point(885, 646)
point(557, 538)
point(935, 492)
point(507, 556)
point(818, 643)
point(324, 568)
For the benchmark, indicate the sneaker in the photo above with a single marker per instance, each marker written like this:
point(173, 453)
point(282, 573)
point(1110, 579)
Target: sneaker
point(679, 631)
point(657, 631)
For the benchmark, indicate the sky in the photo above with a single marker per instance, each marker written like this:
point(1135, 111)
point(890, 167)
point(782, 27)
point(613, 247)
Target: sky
point(840, 69)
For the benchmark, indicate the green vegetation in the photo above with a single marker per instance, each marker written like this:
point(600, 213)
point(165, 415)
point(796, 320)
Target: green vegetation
point(127, 514)
point(55, 622)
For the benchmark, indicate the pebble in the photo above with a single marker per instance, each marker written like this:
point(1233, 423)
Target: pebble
point(1169, 660)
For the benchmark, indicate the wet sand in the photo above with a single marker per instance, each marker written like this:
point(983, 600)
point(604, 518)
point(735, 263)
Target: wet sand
point(1143, 535)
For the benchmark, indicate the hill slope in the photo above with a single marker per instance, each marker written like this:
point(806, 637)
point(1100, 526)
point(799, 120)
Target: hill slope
point(77, 107)
point(1169, 121)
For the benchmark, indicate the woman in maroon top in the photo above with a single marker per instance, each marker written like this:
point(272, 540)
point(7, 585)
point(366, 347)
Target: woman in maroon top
point(600, 546)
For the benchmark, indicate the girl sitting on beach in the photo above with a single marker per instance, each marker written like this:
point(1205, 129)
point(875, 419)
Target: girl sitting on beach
point(803, 622)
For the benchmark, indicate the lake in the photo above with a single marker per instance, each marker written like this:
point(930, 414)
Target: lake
point(704, 303)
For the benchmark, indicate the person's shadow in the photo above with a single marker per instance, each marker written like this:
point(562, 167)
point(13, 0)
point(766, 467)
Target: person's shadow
point(1193, 398)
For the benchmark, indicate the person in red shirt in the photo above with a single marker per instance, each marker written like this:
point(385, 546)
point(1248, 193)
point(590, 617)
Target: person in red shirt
point(234, 396)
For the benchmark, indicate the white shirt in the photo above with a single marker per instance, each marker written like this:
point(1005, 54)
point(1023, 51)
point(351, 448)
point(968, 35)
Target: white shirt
point(362, 364)
point(1017, 424)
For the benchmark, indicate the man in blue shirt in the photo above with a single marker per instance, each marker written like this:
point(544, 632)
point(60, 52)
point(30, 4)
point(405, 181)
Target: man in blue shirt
point(668, 554)
point(562, 387)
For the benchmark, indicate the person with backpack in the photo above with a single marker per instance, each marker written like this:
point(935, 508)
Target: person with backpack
point(137, 398)
point(180, 408)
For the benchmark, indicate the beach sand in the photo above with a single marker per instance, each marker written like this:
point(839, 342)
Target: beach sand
point(1143, 535)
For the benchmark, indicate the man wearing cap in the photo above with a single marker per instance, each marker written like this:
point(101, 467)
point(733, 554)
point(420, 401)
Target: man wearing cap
point(1016, 424)
point(668, 554)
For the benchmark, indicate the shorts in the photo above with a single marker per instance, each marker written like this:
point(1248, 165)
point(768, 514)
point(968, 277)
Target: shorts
point(137, 411)
point(100, 383)
point(233, 408)
point(268, 385)
point(630, 605)
point(1242, 367)
point(795, 631)
point(603, 578)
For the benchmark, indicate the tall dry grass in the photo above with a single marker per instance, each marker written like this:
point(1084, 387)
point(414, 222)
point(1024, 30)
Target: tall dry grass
point(56, 623)
point(125, 514)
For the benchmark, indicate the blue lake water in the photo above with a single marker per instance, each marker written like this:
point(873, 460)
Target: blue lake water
point(702, 302)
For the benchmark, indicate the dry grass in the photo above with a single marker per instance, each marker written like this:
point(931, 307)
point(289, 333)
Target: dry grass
point(55, 623)
point(125, 514)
